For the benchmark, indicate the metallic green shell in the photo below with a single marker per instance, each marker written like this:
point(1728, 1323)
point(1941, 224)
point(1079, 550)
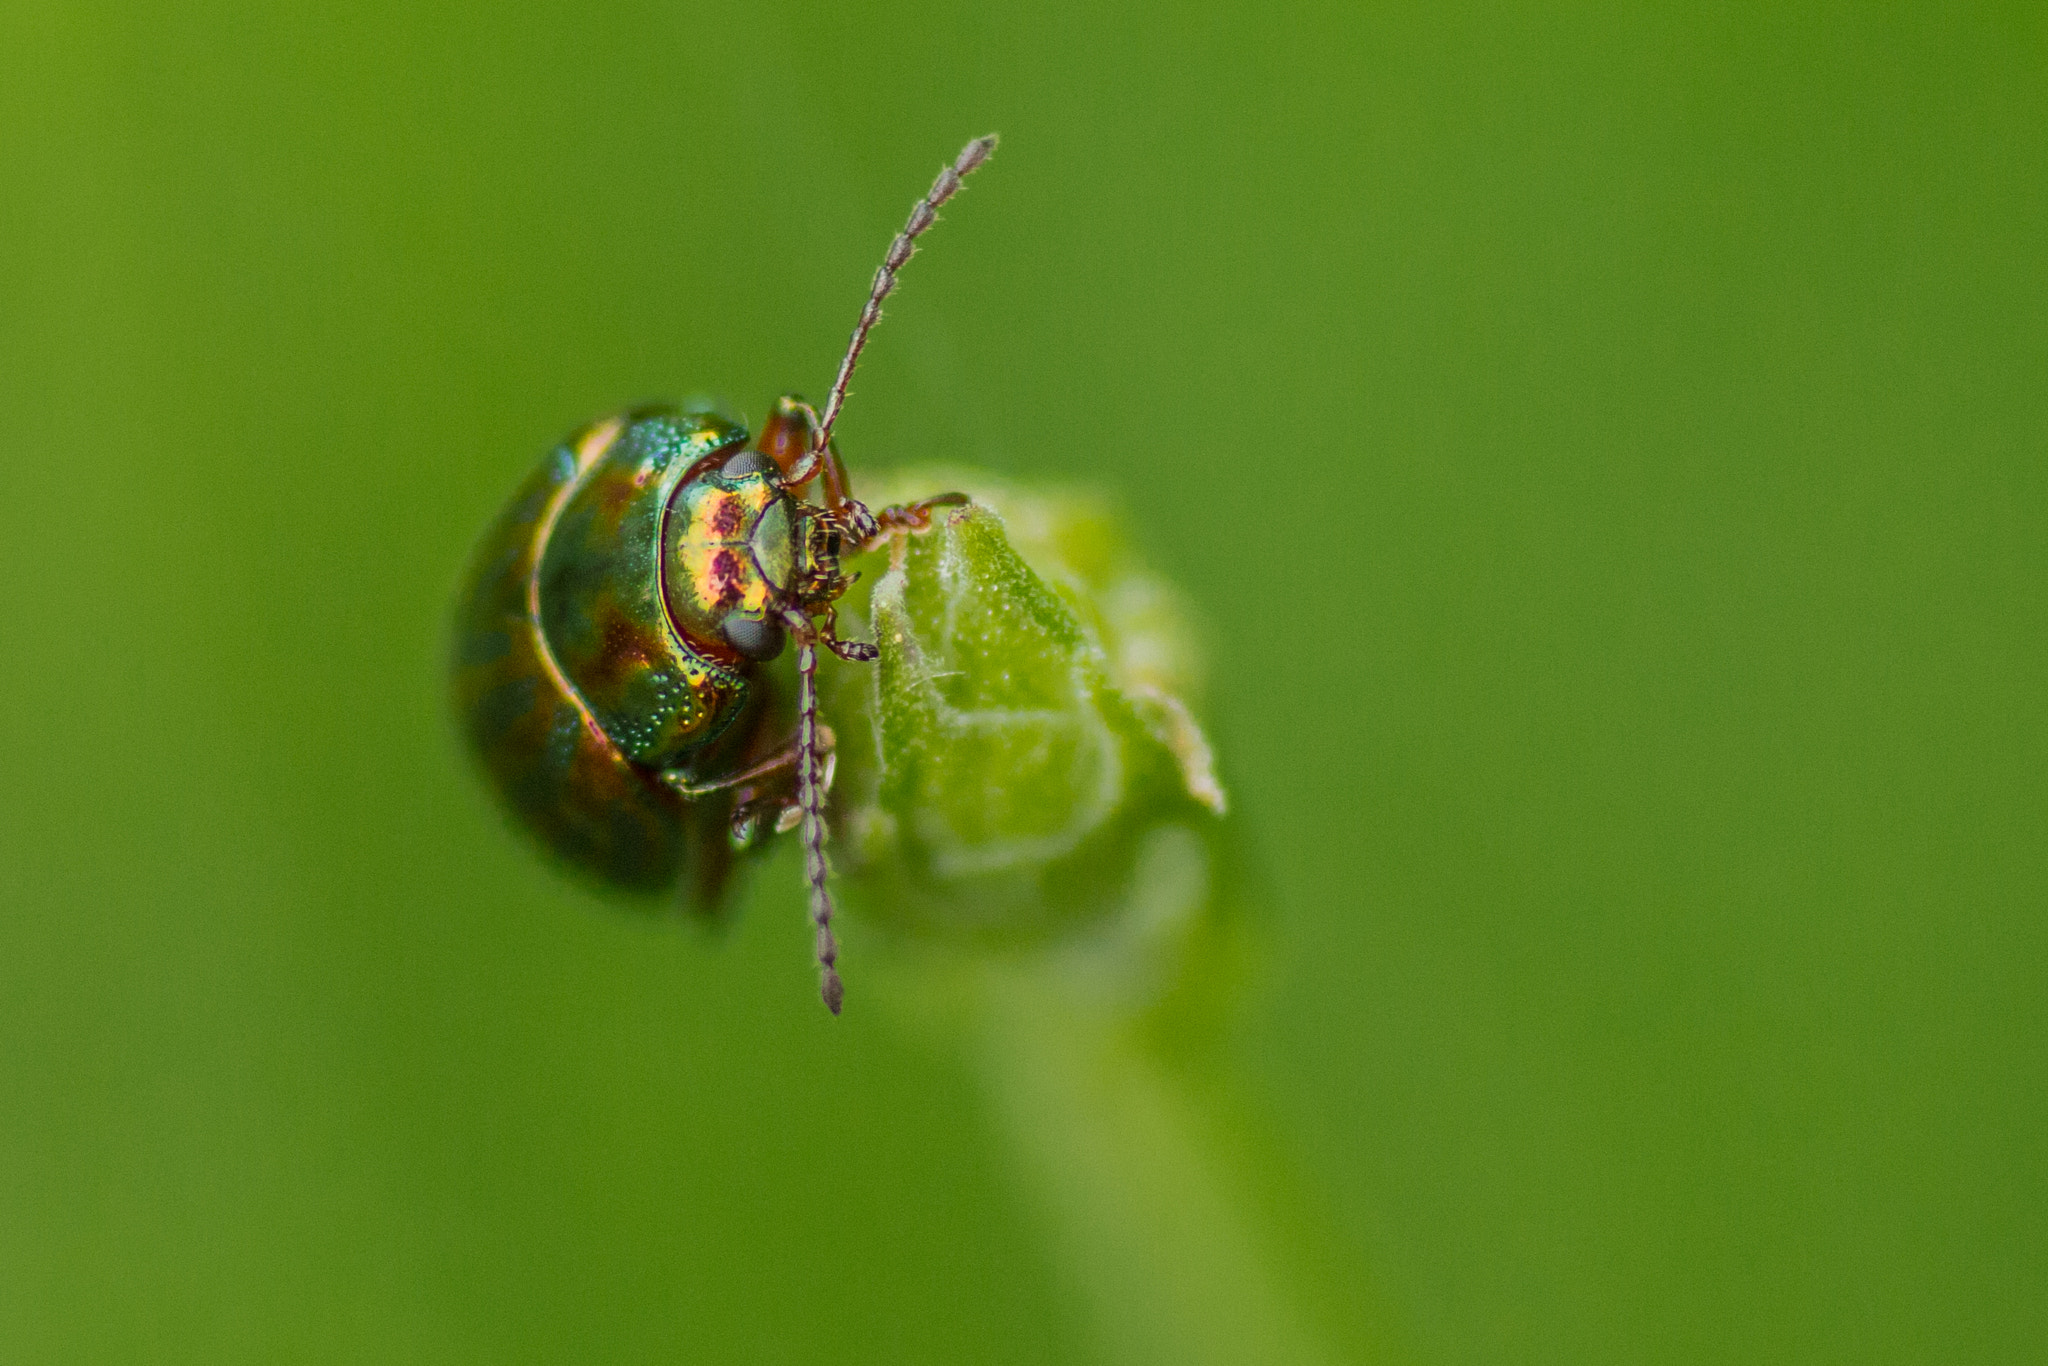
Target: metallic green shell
point(570, 682)
point(602, 609)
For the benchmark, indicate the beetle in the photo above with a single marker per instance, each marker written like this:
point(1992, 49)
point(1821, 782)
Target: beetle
point(611, 636)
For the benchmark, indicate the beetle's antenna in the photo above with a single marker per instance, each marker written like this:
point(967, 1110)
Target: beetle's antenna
point(811, 795)
point(921, 218)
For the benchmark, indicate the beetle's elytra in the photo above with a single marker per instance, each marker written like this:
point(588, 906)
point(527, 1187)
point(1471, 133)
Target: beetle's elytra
point(610, 636)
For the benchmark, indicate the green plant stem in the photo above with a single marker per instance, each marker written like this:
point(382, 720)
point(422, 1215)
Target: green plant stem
point(1160, 1218)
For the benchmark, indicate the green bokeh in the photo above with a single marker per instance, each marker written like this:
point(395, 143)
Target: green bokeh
point(1609, 448)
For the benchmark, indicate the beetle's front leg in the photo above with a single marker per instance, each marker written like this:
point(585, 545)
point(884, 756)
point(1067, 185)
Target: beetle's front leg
point(854, 651)
point(899, 520)
point(790, 438)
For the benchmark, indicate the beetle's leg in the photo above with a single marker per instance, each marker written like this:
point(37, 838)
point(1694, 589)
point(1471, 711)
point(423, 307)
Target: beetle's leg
point(686, 787)
point(782, 759)
point(855, 521)
point(891, 521)
point(811, 799)
point(825, 462)
point(747, 807)
point(788, 434)
point(790, 438)
point(857, 651)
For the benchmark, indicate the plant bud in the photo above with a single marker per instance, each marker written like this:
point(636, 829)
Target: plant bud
point(1023, 766)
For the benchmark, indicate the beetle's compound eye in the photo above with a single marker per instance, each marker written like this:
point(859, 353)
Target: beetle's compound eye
point(759, 641)
point(746, 463)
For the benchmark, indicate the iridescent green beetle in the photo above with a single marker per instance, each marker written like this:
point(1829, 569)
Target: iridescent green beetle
point(609, 638)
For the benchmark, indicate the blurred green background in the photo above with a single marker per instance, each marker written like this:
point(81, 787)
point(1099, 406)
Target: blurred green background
point(1608, 445)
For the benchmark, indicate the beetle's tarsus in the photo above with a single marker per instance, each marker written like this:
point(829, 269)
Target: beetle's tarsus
point(856, 651)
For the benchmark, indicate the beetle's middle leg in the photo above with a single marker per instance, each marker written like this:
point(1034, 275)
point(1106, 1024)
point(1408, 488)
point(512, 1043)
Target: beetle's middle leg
point(780, 761)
